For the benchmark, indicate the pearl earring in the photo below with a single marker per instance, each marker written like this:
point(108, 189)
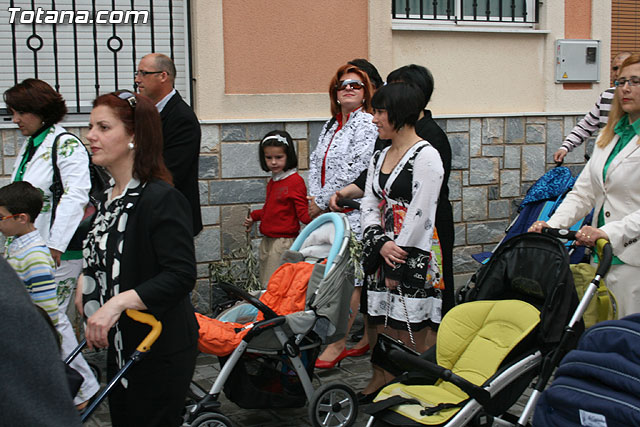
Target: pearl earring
point(338, 101)
point(131, 146)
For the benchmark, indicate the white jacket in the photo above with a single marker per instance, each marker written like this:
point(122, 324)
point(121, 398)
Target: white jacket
point(619, 196)
point(73, 162)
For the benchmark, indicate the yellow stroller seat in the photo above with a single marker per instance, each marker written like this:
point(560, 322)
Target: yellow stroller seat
point(473, 341)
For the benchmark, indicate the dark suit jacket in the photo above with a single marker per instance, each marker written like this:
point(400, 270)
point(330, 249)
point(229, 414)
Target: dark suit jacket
point(34, 388)
point(181, 135)
point(158, 261)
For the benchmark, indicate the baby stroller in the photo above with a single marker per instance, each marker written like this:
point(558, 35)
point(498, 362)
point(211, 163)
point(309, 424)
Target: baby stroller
point(540, 202)
point(598, 384)
point(510, 329)
point(272, 364)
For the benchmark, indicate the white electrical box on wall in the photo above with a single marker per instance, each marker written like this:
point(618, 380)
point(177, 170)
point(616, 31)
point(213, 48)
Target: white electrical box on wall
point(577, 61)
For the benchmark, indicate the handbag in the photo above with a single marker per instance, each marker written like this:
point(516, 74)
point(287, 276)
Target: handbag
point(603, 305)
point(99, 183)
point(385, 343)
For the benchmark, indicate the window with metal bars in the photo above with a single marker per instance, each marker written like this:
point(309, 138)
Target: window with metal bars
point(493, 11)
point(84, 48)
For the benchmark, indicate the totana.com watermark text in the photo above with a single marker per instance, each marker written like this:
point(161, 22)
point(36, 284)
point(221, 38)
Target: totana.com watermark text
point(42, 16)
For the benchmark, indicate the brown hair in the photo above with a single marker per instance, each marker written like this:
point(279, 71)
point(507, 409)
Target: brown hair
point(333, 88)
point(36, 97)
point(616, 113)
point(143, 122)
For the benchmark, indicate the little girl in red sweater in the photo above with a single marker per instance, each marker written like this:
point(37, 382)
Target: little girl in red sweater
point(286, 203)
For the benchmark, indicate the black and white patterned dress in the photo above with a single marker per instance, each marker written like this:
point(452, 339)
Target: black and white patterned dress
point(103, 248)
point(401, 206)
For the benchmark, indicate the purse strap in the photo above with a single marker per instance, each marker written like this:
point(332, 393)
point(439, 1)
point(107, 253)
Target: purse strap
point(406, 313)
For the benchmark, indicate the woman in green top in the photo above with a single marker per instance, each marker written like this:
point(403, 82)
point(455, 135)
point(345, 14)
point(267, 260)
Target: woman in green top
point(610, 183)
point(36, 108)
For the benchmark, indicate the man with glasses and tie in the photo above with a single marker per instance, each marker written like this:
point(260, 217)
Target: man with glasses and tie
point(180, 127)
point(596, 118)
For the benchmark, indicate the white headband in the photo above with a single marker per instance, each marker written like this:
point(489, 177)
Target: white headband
point(276, 137)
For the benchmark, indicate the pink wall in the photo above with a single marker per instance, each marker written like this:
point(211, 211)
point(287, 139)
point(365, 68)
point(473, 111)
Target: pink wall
point(296, 45)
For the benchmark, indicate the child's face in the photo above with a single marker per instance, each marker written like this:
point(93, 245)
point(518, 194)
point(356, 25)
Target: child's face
point(275, 158)
point(11, 225)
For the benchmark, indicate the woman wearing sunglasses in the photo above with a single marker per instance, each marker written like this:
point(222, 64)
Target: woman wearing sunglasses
point(139, 254)
point(609, 185)
point(37, 109)
point(343, 151)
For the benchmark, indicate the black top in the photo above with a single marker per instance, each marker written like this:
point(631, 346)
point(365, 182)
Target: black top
point(181, 135)
point(158, 260)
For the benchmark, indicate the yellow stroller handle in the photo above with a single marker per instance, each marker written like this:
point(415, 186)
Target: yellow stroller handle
point(149, 319)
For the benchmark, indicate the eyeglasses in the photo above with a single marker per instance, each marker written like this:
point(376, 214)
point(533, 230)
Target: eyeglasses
point(127, 96)
point(2, 218)
point(145, 73)
point(633, 81)
point(355, 84)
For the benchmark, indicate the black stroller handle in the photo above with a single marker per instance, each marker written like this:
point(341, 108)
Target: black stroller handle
point(603, 247)
point(560, 233)
point(478, 393)
point(348, 203)
point(241, 293)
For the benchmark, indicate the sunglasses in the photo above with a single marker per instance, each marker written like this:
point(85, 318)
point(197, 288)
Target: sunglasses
point(127, 96)
point(355, 84)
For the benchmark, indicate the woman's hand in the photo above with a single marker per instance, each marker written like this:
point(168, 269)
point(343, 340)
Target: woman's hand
point(55, 254)
point(314, 210)
point(99, 324)
point(351, 191)
point(537, 227)
point(391, 284)
point(393, 254)
point(588, 235)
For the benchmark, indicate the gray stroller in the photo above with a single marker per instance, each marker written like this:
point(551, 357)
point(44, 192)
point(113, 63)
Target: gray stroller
point(272, 366)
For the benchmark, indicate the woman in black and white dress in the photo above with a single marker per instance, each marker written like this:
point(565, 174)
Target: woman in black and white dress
point(398, 216)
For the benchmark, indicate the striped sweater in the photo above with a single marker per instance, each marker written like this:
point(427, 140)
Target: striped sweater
point(594, 120)
point(31, 259)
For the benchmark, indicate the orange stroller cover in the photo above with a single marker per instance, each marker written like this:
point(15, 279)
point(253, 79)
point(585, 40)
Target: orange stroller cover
point(286, 293)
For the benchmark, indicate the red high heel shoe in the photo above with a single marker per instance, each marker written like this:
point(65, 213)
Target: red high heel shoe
point(328, 364)
point(355, 352)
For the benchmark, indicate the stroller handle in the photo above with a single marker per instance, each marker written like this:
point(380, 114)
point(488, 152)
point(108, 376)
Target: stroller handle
point(603, 247)
point(152, 336)
point(348, 203)
point(560, 233)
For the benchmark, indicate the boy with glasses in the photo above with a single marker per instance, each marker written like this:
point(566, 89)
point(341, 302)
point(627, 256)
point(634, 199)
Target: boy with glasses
point(26, 252)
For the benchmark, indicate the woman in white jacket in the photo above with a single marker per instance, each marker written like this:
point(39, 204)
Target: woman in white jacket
point(609, 184)
point(36, 108)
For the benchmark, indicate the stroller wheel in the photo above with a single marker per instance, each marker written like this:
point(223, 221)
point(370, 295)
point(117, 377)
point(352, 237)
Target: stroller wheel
point(211, 419)
point(333, 405)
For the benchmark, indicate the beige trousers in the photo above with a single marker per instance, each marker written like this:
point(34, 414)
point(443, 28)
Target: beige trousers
point(271, 250)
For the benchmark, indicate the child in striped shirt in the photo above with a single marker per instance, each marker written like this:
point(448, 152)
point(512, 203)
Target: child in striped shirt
point(26, 252)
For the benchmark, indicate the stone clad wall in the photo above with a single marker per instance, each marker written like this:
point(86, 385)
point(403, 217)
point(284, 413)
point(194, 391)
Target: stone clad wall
point(495, 160)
